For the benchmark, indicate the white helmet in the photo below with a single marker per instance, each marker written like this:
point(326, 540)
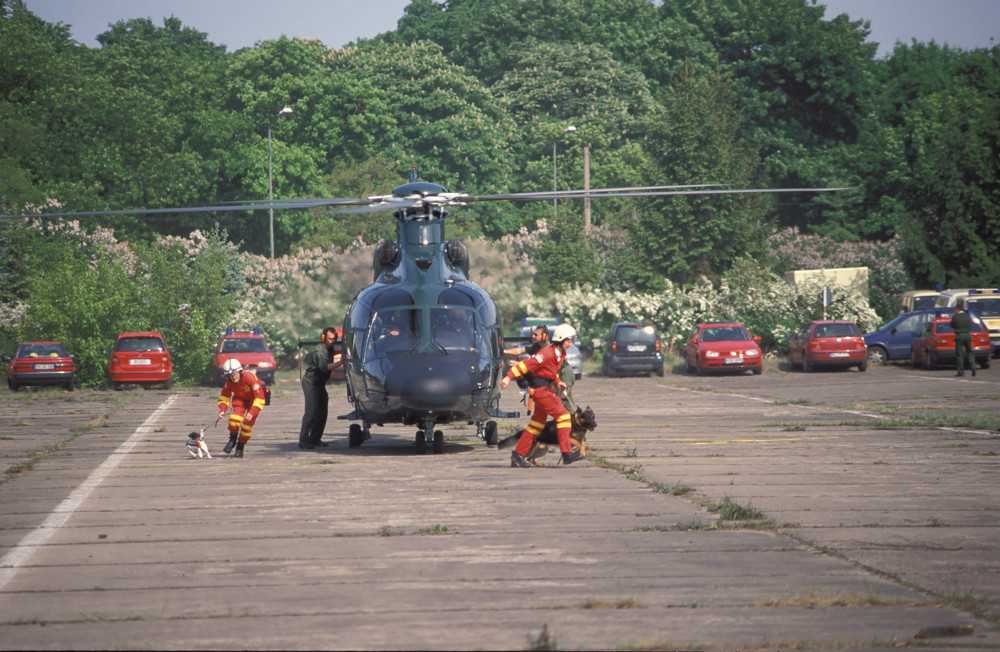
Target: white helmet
point(564, 332)
point(232, 366)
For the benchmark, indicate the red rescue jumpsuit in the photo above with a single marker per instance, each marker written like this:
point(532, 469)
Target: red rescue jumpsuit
point(544, 367)
point(247, 399)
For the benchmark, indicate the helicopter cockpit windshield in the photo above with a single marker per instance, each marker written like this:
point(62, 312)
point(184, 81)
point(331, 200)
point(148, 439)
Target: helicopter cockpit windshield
point(455, 329)
point(406, 329)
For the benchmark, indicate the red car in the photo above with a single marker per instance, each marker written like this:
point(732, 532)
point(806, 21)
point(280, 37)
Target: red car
point(830, 343)
point(40, 363)
point(140, 358)
point(937, 344)
point(252, 351)
point(723, 346)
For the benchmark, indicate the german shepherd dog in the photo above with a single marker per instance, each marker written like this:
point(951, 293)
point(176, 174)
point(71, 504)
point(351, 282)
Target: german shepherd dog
point(583, 421)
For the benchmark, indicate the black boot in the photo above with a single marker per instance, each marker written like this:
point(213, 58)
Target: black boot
point(569, 458)
point(230, 444)
point(239, 451)
point(517, 460)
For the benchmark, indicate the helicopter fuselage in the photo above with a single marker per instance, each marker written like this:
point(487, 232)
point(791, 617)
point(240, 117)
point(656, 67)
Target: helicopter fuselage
point(423, 343)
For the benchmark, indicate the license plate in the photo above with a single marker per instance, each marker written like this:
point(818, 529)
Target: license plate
point(140, 361)
point(43, 367)
point(840, 354)
point(635, 348)
point(734, 361)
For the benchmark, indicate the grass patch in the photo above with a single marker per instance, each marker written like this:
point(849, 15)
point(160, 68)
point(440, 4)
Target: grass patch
point(814, 601)
point(624, 603)
point(434, 529)
point(791, 401)
point(967, 601)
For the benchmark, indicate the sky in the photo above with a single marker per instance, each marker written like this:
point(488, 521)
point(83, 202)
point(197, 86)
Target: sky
point(236, 24)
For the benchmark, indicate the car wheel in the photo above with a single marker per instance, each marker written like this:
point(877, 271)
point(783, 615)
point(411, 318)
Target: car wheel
point(13, 386)
point(687, 365)
point(697, 367)
point(863, 366)
point(168, 384)
point(806, 365)
point(877, 355)
point(791, 365)
point(929, 361)
point(758, 371)
point(660, 371)
point(985, 364)
point(913, 358)
point(69, 386)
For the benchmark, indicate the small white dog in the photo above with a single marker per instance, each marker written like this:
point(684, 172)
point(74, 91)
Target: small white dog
point(196, 446)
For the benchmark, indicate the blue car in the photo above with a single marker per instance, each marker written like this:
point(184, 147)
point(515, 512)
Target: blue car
point(894, 340)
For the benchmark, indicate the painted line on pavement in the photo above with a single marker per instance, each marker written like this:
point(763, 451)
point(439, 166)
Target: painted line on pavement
point(22, 552)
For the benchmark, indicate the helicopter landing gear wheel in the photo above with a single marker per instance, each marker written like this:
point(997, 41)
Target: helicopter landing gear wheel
point(421, 443)
point(355, 436)
point(438, 446)
point(490, 435)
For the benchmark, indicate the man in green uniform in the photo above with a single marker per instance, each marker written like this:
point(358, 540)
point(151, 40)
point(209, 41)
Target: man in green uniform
point(961, 323)
point(319, 363)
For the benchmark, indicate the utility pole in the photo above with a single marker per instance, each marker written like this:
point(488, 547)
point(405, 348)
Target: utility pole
point(586, 186)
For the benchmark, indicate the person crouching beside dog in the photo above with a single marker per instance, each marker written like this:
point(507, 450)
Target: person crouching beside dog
point(245, 395)
point(544, 368)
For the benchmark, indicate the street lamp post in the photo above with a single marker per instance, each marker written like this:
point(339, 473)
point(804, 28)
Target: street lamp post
point(270, 177)
point(567, 130)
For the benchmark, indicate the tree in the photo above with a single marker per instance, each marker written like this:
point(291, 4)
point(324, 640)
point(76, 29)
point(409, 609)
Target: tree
point(683, 238)
point(445, 122)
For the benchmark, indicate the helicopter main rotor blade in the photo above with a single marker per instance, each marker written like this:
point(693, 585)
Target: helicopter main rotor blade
point(251, 205)
point(584, 194)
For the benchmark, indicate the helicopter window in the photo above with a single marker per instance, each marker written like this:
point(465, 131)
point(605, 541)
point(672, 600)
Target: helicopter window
point(392, 298)
point(455, 329)
point(393, 330)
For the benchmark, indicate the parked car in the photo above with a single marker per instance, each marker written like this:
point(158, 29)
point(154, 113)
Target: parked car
point(40, 363)
point(981, 302)
point(723, 346)
point(917, 300)
point(894, 340)
point(937, 344)
point(140, 358)
point(250, 349)
point(830, 343)
point(632, 348)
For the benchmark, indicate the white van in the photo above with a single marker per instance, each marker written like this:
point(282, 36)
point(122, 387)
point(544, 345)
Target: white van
point(983, 302)
point(918, 300)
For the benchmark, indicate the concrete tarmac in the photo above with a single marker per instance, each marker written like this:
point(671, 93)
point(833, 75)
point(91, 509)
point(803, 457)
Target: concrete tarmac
point(767, 512)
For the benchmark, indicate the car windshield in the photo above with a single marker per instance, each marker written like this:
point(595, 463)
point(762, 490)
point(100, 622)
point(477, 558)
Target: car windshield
point(724, 334)
point(984, 307)
point(42, 351)
point(141, 344)
point(924, 303)
point(244, 345)
point(837, 330)
point(641, 334)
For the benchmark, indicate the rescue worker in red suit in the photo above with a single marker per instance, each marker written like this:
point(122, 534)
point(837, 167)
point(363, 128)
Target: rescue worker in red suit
point(243, 393)
point(544, 369)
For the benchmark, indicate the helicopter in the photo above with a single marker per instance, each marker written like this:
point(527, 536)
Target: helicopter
point(423, 345)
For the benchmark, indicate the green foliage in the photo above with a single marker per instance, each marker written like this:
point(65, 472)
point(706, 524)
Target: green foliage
point(564, 257)
point(683, 238)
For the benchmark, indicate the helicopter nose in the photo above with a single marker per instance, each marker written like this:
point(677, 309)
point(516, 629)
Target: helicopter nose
point(433, 386)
